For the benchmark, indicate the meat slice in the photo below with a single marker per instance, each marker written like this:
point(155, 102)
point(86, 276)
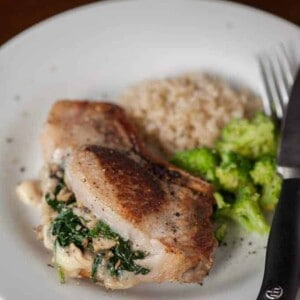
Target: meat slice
point(161, 209)
point(74, 123)
point(170, 222)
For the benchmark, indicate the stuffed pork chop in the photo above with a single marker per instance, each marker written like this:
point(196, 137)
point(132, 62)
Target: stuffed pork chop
point(114, 213)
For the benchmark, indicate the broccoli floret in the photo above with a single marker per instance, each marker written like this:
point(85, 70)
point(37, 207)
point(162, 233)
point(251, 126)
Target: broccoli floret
point(200, 162)
point(264, 175)
point(251, 139)
point(221, 203)
point(233, 172)
point(220, 232)
point(245, 211)
point(241, 189)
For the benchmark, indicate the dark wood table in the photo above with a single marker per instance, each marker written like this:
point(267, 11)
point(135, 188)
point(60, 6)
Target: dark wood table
point(17, 15)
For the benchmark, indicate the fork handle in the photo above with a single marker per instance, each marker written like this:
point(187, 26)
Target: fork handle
point(283, 251)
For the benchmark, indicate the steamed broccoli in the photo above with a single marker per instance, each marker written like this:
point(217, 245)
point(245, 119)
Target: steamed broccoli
point(220, 232)
point(220, 227)
point(242, 170)
point(233, 172)
point(220, 202)
point(251, 139)
point(264, 175)
point(245, 211)
point(200, 162)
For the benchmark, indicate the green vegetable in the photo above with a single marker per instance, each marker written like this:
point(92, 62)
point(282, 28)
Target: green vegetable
point(123, 259)
point(200, 162)
point(67, 228)
point(242, 169)
point(60, 271)
point(96, 263)
point(103, 230)
point(220, 232)
point(245, 211)
point(53, 202)
point(264, 175)
point(252, 139)
point(61, 274)
point(233, 172)
point(221, 203)
point(123, 256)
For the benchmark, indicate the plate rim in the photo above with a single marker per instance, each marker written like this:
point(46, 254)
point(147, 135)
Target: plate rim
point(15, 39)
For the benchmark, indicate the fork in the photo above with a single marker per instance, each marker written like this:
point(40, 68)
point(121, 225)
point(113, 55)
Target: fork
point(278, 77)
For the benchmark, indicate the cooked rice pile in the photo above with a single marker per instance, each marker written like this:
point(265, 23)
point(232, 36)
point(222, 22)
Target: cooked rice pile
point(185, 112)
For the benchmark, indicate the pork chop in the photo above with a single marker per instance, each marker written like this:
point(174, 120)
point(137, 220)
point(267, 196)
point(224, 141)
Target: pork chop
point(159, 209)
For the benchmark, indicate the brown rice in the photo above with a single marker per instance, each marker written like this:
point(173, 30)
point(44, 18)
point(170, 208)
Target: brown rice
point(187, 111)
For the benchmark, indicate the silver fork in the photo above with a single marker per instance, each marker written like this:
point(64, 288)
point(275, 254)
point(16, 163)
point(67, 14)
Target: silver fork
point(280, 280)
point(278, 76)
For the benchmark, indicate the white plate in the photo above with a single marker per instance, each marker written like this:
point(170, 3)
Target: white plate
point(94, 52)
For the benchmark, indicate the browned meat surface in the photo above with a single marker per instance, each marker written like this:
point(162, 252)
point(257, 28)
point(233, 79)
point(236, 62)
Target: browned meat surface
point(162, 210)
point(71, 124)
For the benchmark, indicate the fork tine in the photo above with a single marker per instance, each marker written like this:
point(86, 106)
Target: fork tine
point(268, 109)
point(279, 81)
point(289, 64)
point(272, 105)
point(286, 65)
point(284, 73)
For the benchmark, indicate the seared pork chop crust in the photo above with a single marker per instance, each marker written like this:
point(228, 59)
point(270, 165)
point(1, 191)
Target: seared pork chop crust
point(139, 193)
point(142, 192)
point(160, 208)
point(72, 124)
